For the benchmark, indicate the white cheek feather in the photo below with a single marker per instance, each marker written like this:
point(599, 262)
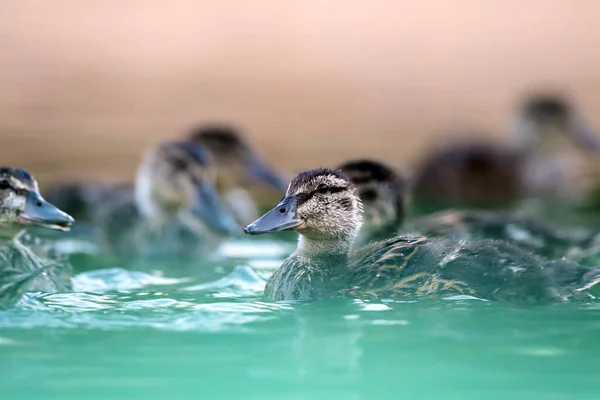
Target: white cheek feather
point(13, 203)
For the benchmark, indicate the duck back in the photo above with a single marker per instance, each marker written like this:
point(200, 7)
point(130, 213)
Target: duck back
point(487, 269)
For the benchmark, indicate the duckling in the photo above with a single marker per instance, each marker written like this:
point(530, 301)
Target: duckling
point(543, 161)
point(245, 181)
point(323, 206)
point(385, 197)
point(385, 202)
point(27, 263)
point(559, 147)
point(173, 210)
point(468, 174)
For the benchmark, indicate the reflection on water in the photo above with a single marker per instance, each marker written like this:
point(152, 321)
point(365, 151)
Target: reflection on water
point(139, 334)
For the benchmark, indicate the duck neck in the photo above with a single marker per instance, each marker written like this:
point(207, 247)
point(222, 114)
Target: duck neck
point(336, 246)
point(310, 273)
point(329, 250)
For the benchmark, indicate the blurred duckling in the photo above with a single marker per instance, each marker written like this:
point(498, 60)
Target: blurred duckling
point(385, 197)
point(174, 209)
point(546, 159)
point(385, 194)
point(245, 181)
point(468, 174)
point(323, 206)
point(28, 264)
point(560, 150)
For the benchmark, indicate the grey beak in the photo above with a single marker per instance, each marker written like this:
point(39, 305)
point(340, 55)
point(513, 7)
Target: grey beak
point(263, 173)
point(280, 218)
point(209, 208)
point(38, 212)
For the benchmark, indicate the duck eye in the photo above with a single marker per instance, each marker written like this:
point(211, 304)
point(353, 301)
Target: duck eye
point(322, 188)
point(4, 185)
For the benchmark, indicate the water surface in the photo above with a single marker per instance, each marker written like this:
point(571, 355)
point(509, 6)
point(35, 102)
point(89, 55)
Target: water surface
point(137, 334)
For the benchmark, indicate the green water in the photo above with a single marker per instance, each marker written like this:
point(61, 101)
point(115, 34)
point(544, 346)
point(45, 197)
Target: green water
point(133, 334)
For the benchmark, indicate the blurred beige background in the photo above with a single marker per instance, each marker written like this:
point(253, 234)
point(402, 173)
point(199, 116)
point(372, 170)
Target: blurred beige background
point(87, 85)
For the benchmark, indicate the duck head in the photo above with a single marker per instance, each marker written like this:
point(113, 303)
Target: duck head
point(22, 205)
point(238, 165)
point(176, 180)
point(322, 205)
point(550, 120)
point(384, 194)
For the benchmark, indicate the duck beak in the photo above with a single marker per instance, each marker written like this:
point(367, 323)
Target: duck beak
point(209, 208)
point(38, 212)
point(585, 137)
point(265, 174)
point(281, 218)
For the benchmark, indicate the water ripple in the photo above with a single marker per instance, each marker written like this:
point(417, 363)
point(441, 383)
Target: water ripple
point(242, 281)
point(113, 279)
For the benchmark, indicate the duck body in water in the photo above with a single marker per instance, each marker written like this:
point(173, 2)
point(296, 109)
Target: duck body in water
point(28, 263)
point(323, 206)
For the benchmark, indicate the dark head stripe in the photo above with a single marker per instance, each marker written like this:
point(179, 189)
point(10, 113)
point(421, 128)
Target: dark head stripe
point(302, 198)
point(346, 203)
point(309, 175)
point(18, 173)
